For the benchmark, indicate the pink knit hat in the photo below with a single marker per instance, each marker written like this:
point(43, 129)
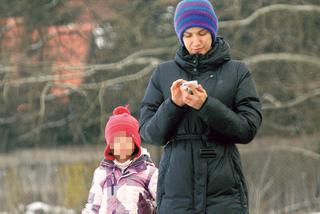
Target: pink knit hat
point(121, 121)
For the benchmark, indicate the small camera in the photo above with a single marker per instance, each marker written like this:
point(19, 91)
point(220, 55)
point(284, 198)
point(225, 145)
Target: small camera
point(186, 84)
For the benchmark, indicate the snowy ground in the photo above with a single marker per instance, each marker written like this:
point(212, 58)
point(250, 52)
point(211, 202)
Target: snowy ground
point(43, 208)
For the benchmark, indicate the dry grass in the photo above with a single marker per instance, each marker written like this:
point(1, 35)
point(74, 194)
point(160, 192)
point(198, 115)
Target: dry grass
point(282, 175)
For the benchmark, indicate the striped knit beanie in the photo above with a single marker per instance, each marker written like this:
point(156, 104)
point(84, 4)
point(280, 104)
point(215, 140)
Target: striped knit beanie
point(195, 13)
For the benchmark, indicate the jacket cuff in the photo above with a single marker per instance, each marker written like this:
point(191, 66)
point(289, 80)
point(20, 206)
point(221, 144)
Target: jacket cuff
point(204, 103)
point(212, 105)
point(172, 105)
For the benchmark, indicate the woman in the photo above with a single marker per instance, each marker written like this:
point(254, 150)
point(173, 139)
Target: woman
point(200, 125)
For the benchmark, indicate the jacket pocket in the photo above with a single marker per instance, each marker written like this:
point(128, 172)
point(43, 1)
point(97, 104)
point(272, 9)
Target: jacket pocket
point(220, 175)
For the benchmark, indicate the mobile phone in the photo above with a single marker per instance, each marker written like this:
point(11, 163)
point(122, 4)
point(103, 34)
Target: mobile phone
point(186, 84)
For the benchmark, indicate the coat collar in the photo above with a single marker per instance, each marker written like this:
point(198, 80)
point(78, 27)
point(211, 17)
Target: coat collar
point(137, 165)
point(195, 63)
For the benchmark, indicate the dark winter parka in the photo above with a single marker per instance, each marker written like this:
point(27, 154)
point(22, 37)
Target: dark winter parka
point(200, 169)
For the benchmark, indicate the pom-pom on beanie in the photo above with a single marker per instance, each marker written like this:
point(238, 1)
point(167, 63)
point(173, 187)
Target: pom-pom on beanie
point(121, 121)
point(195, 13)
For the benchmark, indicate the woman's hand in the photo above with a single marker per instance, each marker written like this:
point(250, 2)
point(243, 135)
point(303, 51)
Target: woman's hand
point(195, 98)
point(176, 93)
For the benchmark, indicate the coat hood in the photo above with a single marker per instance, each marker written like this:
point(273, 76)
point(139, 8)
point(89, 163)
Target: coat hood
point(214, 58)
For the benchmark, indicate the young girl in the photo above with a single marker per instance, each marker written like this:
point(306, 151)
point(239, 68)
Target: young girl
point(126, 180)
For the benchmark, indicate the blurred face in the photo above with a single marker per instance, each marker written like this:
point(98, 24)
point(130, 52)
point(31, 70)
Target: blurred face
point(122, 147)
point(197, 40)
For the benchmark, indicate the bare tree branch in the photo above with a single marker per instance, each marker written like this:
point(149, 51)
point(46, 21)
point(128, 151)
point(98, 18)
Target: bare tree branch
point(81, 74)
point(282, 57)
point(282, 148)
point(62, 122)
point(124, 78)
point(287, 128)
point(48, 125)
point(276, 104)
point(269, 9)
point(131, 59)
point(8, 120)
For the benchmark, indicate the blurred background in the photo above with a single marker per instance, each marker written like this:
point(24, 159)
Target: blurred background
point(65, 64)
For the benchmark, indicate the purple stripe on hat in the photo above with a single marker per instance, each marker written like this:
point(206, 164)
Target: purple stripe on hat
point(194, 9)
point(193, 13)
point(197, 24)
point(188, 10)
point(193, 18)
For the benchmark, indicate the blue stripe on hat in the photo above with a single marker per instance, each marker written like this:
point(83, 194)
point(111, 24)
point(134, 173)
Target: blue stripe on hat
point(196, 17)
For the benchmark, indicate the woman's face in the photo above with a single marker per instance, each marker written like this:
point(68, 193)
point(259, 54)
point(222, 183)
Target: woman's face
point(122, 147)
point(197, 40)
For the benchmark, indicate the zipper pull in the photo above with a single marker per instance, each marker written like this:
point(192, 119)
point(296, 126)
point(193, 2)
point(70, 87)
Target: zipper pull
point(112, 182)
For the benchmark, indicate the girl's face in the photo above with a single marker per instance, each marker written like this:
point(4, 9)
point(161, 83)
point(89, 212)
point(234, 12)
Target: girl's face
point(197, 40)
point(122, 147)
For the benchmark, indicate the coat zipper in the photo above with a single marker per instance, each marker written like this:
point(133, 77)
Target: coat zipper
point(112, 182)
